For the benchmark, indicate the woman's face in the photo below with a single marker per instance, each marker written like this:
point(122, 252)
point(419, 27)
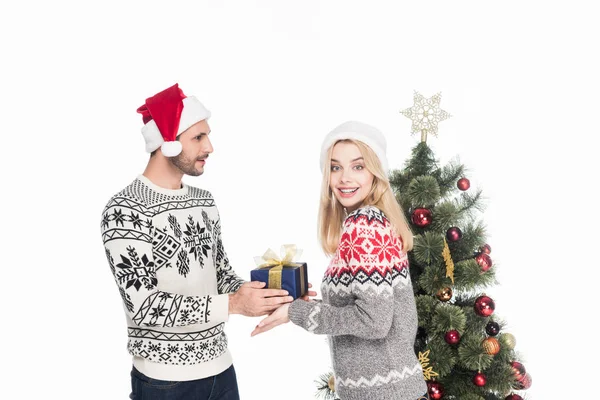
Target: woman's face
point(349, 180)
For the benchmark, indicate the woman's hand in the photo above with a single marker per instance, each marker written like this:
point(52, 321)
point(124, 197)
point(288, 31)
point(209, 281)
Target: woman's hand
point(311, 293)
point(279, 316)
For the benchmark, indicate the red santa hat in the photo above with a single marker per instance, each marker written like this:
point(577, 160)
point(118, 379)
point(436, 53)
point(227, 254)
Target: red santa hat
point(167, 115)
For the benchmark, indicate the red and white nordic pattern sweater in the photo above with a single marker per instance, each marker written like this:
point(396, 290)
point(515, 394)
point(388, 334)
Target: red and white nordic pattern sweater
point(368, 311)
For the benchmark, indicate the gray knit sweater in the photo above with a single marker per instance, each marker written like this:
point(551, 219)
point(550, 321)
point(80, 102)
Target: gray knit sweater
point(368, 312)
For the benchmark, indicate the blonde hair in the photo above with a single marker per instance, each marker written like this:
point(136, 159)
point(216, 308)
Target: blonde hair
point(332, 213)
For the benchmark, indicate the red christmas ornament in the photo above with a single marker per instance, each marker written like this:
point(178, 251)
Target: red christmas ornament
point(421, 217)
point(484, 261)
point(453, 234)
point(485, 249)
point(484, 306)
point(452, 337)
point(518, 370)
point(463, 184)
point(435, 390)
point(513, 397)
point(479, 379)
point(524, 383)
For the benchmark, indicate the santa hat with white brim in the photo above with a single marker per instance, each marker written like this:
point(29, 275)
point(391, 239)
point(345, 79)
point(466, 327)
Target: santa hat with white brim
point(360, 131)
point(167, 115)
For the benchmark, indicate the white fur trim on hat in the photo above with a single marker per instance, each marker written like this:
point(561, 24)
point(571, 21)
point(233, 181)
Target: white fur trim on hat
point(360, 131)
point(193, 112)
point(152, 136)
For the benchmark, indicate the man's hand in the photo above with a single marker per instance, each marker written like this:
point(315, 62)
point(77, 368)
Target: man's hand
point(252, 300)
point(310, 294)
point(280, 316)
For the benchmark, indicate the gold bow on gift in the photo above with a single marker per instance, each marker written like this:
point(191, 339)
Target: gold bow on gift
point(271, 260)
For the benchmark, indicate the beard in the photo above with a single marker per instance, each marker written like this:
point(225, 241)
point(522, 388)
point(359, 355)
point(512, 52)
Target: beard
point(187, 164)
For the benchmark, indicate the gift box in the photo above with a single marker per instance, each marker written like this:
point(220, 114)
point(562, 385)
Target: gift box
point(282, 272)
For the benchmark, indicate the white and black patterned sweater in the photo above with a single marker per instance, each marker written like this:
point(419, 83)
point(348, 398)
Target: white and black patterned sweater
point(165, 251)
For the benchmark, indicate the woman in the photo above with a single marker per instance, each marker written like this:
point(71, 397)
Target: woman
point(368, 308)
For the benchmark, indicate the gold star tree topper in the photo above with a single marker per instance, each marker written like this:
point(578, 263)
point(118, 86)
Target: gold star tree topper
point(425, 115)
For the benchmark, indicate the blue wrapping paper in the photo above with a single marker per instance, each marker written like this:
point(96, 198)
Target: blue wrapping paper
point(294, 278)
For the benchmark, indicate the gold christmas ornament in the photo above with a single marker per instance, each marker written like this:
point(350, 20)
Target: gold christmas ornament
point(509, 340)
point(449, 262)
point(425, 115)
point(331, 383)
point(491, 346)
point(444, 294)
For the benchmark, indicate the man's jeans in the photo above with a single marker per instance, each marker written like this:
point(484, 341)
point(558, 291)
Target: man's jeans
point(218, 387)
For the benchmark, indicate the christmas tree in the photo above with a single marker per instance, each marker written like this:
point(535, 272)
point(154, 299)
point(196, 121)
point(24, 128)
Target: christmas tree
point(463, 347)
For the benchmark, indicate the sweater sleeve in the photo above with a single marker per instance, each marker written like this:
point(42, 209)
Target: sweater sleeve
point(367, 249)
point(227, 280)
point(128, 246)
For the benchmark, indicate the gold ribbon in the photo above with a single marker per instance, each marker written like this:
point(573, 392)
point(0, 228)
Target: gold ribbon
point(276, 263)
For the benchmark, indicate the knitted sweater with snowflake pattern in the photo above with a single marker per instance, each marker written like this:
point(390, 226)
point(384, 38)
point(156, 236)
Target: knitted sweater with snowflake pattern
point(166, 254)
point(368, 312)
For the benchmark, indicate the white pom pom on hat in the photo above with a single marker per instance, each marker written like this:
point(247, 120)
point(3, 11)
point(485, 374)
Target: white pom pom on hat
point(171, 149)
point(167, 115)
point(360, 131)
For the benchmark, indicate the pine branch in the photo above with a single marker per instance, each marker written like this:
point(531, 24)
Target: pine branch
point(475, 325)
point(445, 215)
point(472, 356)
point(443, 358)
point(399, 181)
point(473, 237)
point(449, 175)
point(422, 161)
point(427, 248)
point(468, 276)
point(323, 387)
point(448, 317)
point(433, 278)
point(425, 307)
point(469, 202)
point(423, 191)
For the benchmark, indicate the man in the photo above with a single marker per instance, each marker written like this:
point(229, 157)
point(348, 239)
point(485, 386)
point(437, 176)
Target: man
point(163, 243)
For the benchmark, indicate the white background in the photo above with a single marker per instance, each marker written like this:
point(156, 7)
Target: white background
point(520, 79)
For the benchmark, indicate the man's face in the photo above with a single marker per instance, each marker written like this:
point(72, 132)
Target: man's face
point(196, 147)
